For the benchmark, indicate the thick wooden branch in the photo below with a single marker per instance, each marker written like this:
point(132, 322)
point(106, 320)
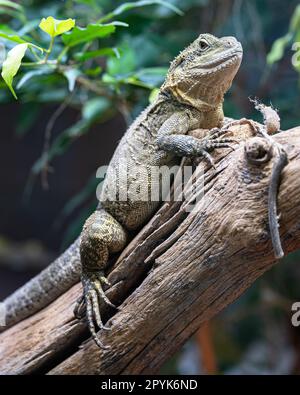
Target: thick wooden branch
point(179, 271)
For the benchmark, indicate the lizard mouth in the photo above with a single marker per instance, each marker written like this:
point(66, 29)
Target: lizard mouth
point(222, 68)
point(225, 61)
point(228, 58)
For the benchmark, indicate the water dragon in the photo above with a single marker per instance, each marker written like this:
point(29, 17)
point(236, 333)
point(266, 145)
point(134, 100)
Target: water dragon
point(191, 97)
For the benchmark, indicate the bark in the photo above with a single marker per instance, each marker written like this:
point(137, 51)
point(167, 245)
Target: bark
point(177, 273)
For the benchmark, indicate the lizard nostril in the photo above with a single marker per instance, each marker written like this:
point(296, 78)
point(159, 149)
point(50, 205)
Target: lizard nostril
point(230, 41)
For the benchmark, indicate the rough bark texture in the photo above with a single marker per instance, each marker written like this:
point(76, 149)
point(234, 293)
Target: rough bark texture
point(178, 272)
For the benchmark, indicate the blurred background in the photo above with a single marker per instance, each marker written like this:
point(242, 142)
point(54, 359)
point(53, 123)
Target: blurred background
point(66, 123)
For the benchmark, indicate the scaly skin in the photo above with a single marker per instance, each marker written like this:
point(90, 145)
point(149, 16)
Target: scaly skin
point(190, 98)
point(42, 289)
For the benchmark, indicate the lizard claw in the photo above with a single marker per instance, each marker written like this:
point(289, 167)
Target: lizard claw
point(212, 141)
point(92, 296)
point(209, 144)
point(78, 309)
point(206, 155)
point(217, 132)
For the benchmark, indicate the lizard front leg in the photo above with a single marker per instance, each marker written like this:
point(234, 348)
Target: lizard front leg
point(172, 137)
point(101, 236)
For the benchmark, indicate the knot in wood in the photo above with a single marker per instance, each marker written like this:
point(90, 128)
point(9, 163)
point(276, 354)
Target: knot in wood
point(258, 150)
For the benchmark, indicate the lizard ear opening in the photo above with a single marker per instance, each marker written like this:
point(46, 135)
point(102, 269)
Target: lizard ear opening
point(176, 62)
point(203, 44)
point(180, 61)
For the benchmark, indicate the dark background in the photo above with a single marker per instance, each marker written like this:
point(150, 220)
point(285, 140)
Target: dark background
point(254, 335)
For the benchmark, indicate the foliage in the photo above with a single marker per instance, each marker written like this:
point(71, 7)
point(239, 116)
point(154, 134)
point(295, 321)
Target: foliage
point(85, 55)
point(292, 36)
point(100, 57)
point(112, 59)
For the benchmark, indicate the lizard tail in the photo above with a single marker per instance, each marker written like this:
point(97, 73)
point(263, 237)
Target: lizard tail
point(41, 290)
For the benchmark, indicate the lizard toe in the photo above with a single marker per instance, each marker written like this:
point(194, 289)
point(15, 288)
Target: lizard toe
point(217, 132)
point(79, 308)
point(91, 313)
point(93, 295)
point(206, 155)
point(102, 296)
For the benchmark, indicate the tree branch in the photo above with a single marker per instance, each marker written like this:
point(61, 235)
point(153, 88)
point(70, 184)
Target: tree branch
point(178, 272)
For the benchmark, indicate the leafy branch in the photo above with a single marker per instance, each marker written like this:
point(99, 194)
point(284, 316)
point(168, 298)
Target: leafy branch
point(291, 38)
point(50, 52)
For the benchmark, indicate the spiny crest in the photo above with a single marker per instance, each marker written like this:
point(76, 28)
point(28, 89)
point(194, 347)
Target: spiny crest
point(194, 48)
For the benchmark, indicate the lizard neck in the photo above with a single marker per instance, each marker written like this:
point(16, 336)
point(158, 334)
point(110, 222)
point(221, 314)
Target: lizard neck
point(212, 118)
point(212, 114)
point(203, 98)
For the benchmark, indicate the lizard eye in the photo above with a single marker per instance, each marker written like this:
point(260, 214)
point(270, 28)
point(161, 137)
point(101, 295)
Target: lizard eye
point(203, 44)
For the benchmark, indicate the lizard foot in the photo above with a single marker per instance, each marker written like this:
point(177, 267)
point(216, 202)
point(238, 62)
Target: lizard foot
point(93, 294)
point(215, 133)
point(213, 141)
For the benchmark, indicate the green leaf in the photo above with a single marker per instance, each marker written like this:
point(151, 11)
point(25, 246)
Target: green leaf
point(12, 37)
point(13, 13)
point(135, 81)
point(153, 95)
point(11, 4)
point(55, 27)
point(55, 95)
point(109, 79)
point(83, 56)
point(94, 72)
point(2, 53)
point(135, 4)
point(295, 20)
point(147, 78)
point(152, 75)
point(81, 35)
point(278, 48)
point(28, 27)
point(126, 63)
point(90, 3)
point(71, 75)
point(296, 56)
point(12, 64)
point(94, 108)
point(12, 9)
point(6, 29)
point(33, 73)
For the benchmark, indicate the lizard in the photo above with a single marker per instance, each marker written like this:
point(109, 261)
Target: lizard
point(190, 98)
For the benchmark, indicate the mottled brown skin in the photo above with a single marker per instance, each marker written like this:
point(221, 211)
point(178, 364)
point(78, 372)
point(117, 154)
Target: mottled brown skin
point(190, 98)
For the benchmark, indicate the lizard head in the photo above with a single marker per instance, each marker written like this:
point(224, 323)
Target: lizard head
point(203, 72)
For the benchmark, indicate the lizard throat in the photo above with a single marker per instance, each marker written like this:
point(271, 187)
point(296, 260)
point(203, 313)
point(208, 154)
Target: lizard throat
point(204, 88)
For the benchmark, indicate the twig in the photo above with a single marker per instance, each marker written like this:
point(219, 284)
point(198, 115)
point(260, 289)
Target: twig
point(47, 138)
point(272, 125)
point(93, 87)
point(206, 348)
point(280, 161)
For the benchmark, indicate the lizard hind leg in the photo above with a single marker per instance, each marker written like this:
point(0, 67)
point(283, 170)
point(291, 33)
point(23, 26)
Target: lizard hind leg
point(101, 236)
